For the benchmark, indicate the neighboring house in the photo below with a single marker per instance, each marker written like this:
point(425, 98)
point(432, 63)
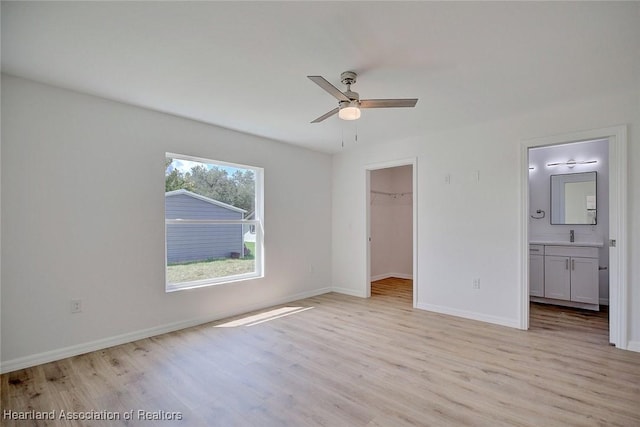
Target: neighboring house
point(249, 230)
point(194, 242)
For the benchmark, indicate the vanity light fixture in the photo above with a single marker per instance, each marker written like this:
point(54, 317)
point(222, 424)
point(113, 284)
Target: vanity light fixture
point(572, 163)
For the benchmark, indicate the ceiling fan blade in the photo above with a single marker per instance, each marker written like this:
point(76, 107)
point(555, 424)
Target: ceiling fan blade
point(324, 84)
point(388, 103)
point(326, 115)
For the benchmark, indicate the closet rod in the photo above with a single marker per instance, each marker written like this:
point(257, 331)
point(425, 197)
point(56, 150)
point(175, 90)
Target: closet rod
point(390, 194)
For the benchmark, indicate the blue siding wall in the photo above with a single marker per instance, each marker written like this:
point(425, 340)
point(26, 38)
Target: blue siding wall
point(193, 242)
point(187, 207)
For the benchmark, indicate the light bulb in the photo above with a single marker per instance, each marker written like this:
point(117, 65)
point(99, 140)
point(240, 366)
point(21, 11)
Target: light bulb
point(349, 113)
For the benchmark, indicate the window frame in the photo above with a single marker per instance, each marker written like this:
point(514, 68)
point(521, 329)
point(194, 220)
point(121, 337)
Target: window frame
point(257, 222)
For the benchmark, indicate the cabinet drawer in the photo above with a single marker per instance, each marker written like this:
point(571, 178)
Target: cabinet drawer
point(536, 249)
point(571, 251)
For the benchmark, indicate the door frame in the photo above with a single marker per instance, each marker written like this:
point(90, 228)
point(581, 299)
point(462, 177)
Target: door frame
point(618, 255)
point(413, 162)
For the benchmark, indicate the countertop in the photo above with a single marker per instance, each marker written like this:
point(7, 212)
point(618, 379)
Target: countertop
point(558, 243)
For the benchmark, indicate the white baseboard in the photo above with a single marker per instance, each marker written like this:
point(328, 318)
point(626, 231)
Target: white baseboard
point(75, 350)
point(300, 295)
point(352, 292)
point(633, 346)
point(388, 275)
point(564, 303)
point(604, 301)
point(511, 323)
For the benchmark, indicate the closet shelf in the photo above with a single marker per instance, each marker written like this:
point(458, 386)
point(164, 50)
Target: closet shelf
point(391, 194)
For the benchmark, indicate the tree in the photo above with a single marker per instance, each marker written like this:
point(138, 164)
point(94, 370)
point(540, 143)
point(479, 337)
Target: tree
point(237, 190)
point(213, 183)
point(245, 190)
point(174, 179)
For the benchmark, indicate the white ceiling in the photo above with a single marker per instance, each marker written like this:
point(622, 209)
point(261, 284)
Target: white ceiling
point(243, 65)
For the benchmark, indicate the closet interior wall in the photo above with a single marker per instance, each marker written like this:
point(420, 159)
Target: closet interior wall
point(391, 223)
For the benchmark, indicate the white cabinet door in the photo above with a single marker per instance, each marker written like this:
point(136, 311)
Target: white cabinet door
point(557, 277)
point(584, 280)
point(536, 275)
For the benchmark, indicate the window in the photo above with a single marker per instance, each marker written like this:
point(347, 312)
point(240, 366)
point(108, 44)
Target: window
point(213, 222)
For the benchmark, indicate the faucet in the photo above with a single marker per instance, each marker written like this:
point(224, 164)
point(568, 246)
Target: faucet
point(572, 236)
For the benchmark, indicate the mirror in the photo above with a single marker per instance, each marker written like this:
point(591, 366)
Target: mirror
point(573, 198)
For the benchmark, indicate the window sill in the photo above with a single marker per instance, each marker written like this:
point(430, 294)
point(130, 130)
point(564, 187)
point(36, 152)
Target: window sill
point(183, 286)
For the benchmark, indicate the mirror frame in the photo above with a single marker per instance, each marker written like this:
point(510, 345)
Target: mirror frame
point(551, 198)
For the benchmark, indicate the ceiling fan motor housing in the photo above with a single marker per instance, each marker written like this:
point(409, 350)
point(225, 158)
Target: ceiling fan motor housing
point(348, 77)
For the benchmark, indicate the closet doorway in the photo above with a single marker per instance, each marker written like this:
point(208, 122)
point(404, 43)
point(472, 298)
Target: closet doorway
point(391, 229)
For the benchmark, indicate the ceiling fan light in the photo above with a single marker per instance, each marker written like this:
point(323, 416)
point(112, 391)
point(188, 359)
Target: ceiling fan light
point(349, 113)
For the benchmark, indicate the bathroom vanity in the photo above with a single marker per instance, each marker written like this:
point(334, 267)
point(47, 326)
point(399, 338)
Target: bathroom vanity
point(566, 246)
point(564, 273)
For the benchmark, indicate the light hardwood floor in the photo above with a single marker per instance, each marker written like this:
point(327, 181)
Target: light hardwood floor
point(338, 360)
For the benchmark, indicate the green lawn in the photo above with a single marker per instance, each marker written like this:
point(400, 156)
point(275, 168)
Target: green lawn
point(252, 247)
point(190, 271)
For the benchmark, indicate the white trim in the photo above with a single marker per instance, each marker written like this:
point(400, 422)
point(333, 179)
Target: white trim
point(618, 290)
point(216, 281)
point(351, 292)
point(391, 275)
point(565, 303)
point(604, 301)
point(634, 346)
point(415, 230)
point(502, 321)
point(379, 277)
point(413, 162)
point(523, 238)
point(74, 350)
point(367, 221)
point(618, 267)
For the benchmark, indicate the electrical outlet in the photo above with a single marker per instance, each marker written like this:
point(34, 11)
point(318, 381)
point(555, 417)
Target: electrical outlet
point(476, 283)
point(76, 306)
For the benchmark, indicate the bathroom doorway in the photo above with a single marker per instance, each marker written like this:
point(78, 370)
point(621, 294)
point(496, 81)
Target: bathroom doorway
point(569, 215)
point(391, 231)
point(612, 238)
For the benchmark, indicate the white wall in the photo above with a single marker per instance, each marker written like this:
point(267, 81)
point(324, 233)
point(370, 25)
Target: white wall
point(469, 229)
point(83, 217)
point(540, 198)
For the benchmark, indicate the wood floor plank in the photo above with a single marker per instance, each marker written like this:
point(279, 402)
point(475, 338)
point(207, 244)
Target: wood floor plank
point(347, 361)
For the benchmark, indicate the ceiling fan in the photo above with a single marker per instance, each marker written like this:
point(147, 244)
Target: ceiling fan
point(349, 103)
